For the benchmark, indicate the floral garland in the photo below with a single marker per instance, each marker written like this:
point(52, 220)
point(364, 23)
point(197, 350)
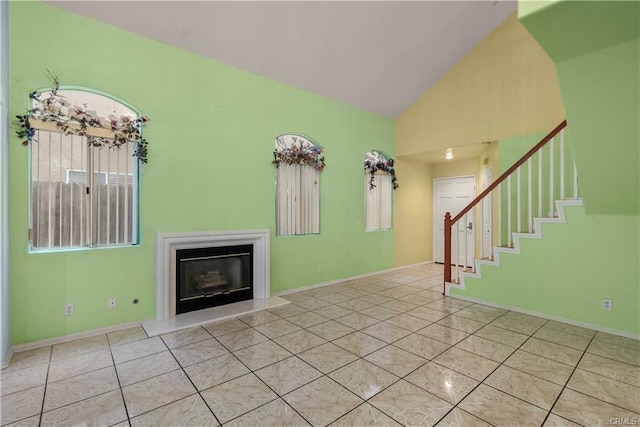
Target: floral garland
point(379, 163)
point(300, 152)
point(75, 120)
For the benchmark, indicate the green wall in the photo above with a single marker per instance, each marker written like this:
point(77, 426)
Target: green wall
point(210, 141)
point(596, 49)
point(570, 270)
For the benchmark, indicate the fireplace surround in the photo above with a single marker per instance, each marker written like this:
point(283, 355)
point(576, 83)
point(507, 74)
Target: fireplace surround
point(167, 245)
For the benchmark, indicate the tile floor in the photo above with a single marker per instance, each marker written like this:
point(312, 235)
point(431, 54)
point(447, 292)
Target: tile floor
point(387, 350)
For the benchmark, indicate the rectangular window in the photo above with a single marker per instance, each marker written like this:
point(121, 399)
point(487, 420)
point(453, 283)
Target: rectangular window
point(82, 196)
point(379, 203)
point(297, 200)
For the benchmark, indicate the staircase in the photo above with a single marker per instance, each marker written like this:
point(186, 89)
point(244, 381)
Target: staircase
point(535, 190)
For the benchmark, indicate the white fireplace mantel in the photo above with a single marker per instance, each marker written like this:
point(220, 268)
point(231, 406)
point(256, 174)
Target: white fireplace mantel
point(168, 243)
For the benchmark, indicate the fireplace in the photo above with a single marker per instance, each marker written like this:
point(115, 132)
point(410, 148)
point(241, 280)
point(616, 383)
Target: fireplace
point(209, 277)
point(220, 265)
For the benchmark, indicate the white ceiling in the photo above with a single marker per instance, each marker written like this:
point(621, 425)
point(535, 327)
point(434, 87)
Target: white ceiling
point(374, 55)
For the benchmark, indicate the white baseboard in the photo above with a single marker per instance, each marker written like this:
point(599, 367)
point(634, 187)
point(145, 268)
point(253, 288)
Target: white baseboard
point(348, 279)
point(6, 362)
point(71, 337)
point(551, 317)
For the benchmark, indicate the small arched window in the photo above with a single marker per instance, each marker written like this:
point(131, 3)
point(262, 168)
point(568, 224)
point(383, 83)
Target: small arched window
point(379, 183)
point(84, 175)
point(298, 162)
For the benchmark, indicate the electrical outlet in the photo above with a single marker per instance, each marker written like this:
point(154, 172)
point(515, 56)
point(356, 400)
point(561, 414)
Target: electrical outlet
point(320, 268)
point(112, 302)
point(68, 309)
point(607, 304)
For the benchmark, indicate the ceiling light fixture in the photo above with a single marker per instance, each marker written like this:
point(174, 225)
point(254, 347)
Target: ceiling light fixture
point(449, 154)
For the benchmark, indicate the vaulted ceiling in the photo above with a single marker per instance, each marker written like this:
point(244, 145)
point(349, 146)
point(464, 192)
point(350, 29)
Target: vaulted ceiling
point(374, 55)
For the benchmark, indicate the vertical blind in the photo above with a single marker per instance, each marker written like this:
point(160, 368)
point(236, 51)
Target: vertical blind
point(298, 200)
point(378, 201)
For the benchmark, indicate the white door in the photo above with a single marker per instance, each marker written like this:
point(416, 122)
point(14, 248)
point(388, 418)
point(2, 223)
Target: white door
point(452, 195)
point(487, 215)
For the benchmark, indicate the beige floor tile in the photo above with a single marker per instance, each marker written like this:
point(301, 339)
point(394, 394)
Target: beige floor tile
point(156, 392)
point(422, 346)
point(355, 293)
point(524, 386)
point(460, 418)
point(541, 367)
point(334, 298)
point(190, 411)
point(356, 304)
point(237, 397)
point(610, 368)
point(71, 390)
point(555, 421)
point(22, 379)
point(307, 319)
point(375, 299)
point(76, 365)
point(395, 360)
point(241, 339)
point(587, 411)
point(624, 354)
point(365, 415)
point(460, 323)
point(287, 310)
point(502, 336)
point(515, 325)
point(322, 401)
point(444, 383)
point(428, 314)
point(552, 325)
point(185, 337)
point(486, 348)
point(299, 341)
point(27, 422)
point(574, 341)
point(327, 357)
point(603, 388)
point(410, 323)
point(78, 347)
point(21, 405)
point(215, 371)
point(261, 355)
point(125, 352)
point(28, 359)
point(359, 344)
point(380, 313)
point(553, 351)
point(273, 414)
point(399, 306)
point(444, 305)
point(198, 352)
point(443, 334)
point(478, 315)
point(363, 378)
point(258, 318)
point(386, 332)
point(288, 375)
point(227, 326)
point(333, 311)
point(312, 303)
point(618, 341)
point(126, 336)
point(417, 299)
point(277, 328)
point(410, 405)
point(104, 410)
point(331, 330)
point(466, 363)
point(357, 320)
point(501, 409)
point(146, 367)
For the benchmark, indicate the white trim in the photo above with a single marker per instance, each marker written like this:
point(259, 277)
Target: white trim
point(551, 317)
point(72, 337)
point(348, 279)
point(168, 243)
point(7, 360)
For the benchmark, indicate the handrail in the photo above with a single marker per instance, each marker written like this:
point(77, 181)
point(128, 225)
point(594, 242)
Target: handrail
point(449, 222)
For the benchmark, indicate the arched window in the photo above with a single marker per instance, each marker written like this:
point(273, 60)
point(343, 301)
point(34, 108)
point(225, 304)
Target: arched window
point(84, 170)
point(379, 183)
point(298, 162)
